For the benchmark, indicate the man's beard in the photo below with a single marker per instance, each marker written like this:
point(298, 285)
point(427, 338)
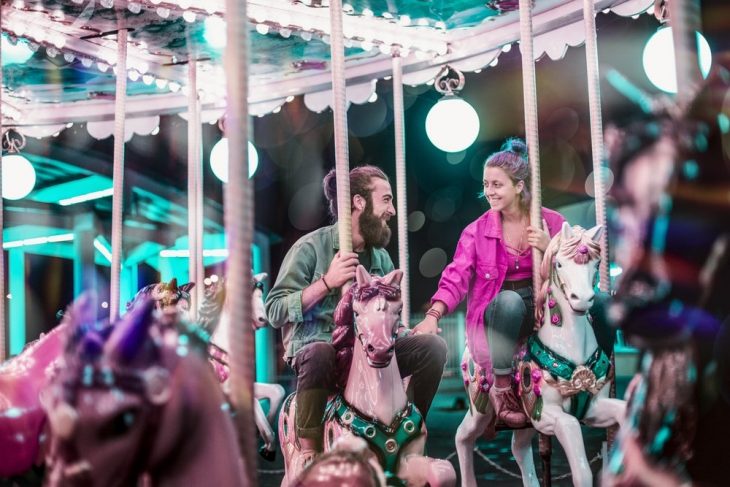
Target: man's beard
point(375, 231)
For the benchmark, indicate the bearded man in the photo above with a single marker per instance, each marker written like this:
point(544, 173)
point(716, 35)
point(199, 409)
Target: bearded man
point(307, 290)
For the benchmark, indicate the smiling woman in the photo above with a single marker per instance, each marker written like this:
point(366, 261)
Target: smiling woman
point(493, 266)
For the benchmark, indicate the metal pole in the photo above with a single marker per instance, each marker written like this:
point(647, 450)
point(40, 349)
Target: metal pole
point(239, 231)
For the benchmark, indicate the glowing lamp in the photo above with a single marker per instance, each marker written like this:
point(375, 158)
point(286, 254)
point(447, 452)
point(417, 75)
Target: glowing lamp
point(219, 159)
point(659, 63)
point(452, 124)
point(18, 177)
point(215, 32)
point(17, 53)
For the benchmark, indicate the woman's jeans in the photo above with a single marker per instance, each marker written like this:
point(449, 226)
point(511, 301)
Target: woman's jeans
point(509, 318)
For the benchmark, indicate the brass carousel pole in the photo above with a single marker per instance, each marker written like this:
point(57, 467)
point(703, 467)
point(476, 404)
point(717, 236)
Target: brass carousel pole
point(339, 109)
point(239, 231)
point(3, 327)
point(118, 173)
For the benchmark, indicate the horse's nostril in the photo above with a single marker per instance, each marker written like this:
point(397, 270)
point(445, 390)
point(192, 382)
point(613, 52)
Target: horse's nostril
point(573, 296)
point(370, 349)
point(391, 349)
point(262, 319)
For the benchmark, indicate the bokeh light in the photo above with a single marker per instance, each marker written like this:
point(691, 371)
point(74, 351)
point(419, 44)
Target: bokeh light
point(432, 262)
point(607, 182)
point(219, 159)
point(658, 59)
point(416, 220)
point(452, 124)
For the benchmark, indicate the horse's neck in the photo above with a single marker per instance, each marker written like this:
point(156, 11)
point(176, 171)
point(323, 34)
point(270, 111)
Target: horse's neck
point(220, 335)
point(573, 340)
point(377, 393)
point(200, 439)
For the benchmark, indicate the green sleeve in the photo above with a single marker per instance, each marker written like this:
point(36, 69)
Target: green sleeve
point(284, 301)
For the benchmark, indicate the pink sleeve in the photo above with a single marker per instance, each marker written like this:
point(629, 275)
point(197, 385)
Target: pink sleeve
point(554, 220)
point(457, 276)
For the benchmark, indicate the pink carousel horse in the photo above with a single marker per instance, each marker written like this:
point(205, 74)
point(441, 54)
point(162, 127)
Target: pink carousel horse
point(128, 402)
point(563, 377)
point(214, 318)
point(373, 405)
point(22, 419)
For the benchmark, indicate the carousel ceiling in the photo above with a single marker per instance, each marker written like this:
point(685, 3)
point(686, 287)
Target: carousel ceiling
point(71, 73)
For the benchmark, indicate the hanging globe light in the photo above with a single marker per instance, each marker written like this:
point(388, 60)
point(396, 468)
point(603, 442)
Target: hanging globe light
point(17, 172)
point(219, 159)
point(659, 61)
point(17, 53)
point(452, 124)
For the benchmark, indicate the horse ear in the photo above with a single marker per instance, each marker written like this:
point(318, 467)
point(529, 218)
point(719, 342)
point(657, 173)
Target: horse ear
point(595, 232)
point(172, 285)
point(393, 278)
point(131, 332)
point(566, 231)
point(260, 277)
point(186, 287)
point(363, 277)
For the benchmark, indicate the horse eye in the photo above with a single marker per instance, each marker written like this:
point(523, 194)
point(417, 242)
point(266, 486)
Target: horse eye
point(558, 265)
point(120, 424)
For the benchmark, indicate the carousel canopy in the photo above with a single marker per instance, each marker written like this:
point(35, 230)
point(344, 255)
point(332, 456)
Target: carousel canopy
point(70, 73)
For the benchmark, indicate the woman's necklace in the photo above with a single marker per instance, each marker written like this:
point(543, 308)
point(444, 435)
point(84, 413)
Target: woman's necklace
point(516, 251)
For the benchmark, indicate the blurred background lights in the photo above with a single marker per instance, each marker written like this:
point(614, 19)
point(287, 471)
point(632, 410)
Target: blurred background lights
point(452, 124)
point(17, 53)
point(18, 177)
point(219, 159)
point(215, 32)
point(658, 59)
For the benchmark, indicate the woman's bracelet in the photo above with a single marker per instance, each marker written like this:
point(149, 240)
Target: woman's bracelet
point(329, 289)
point(435, 313)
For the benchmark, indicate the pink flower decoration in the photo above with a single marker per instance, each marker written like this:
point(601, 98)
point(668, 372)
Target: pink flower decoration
point(536, 390)
point(536, 376)
point(551, 303)
point(555, 319)
point(583, 249)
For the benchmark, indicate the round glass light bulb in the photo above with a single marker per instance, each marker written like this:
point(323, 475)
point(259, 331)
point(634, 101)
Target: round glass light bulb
point(659, 63)
point(17, 53)
point(219, 159)
point(18, 177)
point(452, 124)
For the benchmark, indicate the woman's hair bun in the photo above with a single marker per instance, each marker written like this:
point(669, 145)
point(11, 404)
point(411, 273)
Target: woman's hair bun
point(516, 145)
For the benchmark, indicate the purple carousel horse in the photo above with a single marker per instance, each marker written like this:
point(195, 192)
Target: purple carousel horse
point(22, 419)
point(373, 405)
point(129, 402)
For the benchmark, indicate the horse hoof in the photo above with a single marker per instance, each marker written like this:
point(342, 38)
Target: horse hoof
point(268, 455)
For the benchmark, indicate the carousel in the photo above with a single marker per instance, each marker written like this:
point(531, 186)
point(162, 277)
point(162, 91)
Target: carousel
point(145, 356)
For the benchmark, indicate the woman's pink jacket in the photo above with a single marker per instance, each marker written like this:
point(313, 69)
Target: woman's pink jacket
point(477, 272)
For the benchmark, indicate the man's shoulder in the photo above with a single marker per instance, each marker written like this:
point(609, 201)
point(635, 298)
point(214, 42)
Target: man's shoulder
point(316, 237)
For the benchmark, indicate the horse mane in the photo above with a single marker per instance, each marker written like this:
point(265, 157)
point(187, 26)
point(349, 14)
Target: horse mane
point(209, 313)
point(570, 248)
point(343, 336)
point(163, 293)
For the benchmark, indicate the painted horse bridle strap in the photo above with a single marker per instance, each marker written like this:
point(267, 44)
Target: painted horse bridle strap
point(386, 440)
point(579, 382)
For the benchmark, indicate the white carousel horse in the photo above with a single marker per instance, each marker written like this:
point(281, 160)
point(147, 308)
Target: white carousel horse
point(563, 377)
point(374, 405)
point(214, 317)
